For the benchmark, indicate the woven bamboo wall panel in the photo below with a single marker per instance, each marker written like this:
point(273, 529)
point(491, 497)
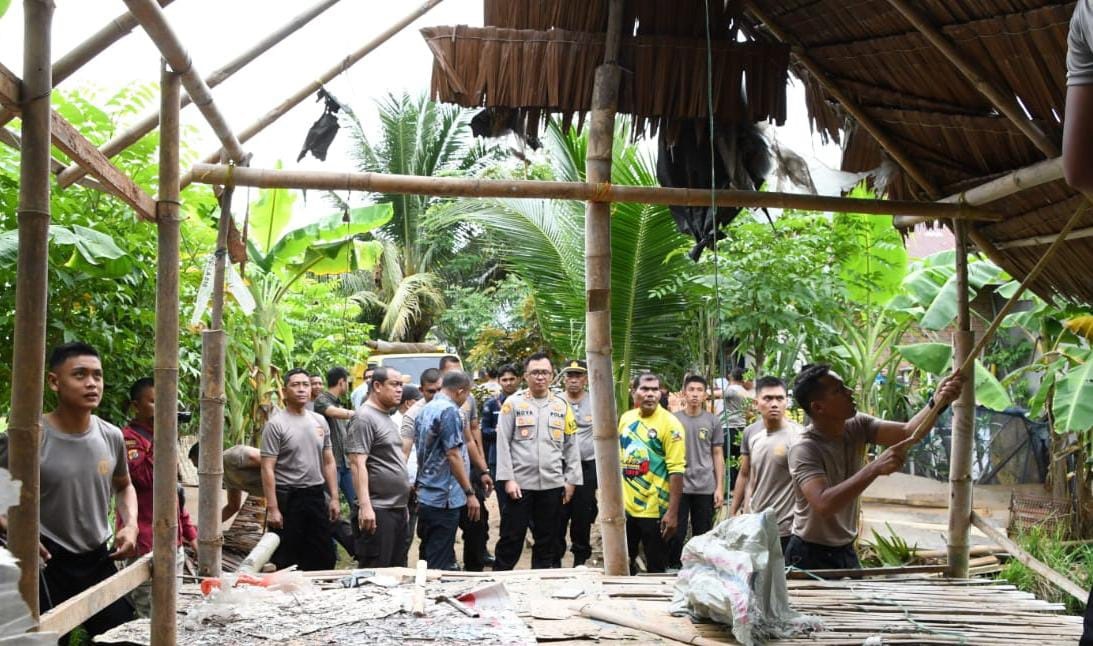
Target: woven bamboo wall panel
point(664, 78)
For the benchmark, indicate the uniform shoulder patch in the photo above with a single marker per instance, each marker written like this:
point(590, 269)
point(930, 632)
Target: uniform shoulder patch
point(506, 408)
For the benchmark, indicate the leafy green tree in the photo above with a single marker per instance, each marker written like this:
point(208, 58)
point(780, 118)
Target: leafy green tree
point(543, 243)
point(418, 137)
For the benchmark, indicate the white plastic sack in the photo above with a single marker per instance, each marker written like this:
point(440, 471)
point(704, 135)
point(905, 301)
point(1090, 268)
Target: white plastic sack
point(735, 574)
point(15, 619)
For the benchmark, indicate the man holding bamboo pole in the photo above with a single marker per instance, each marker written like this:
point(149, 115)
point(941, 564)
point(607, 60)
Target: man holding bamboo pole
point(828, 466)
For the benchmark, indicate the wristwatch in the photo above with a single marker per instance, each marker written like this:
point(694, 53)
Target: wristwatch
point(469, 492)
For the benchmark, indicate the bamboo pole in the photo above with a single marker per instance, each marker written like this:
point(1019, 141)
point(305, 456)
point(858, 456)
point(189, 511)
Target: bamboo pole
point(1011, 183)
point(1039, 241)
point(155, 24)
point(963, 438)
point(650, 626)
point(133, 134)
point(1005, 103)
point(1060, 581)
point(31, 293)
point(313, 87)
point(210, 470)
point(889, 144)
point(591, 191)
point(601, 386)
point(165, 469)
point(87, 50)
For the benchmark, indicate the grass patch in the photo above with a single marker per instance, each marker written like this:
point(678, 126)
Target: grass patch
point(1073, 561)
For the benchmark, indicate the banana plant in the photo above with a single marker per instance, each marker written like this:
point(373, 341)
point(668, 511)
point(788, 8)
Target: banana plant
point(280, 255)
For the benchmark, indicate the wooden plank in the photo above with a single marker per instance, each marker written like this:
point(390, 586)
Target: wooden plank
point(1060, 581)
point(83, 152)
point(861, 573)
point(79, 608)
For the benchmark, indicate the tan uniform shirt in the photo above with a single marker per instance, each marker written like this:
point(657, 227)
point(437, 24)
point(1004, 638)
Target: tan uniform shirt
point(814, 456)
point(582, 415)
point(769, 482)
point(534, 436)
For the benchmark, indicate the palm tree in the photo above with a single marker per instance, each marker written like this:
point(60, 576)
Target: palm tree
point(543, 243)
point(418, 137)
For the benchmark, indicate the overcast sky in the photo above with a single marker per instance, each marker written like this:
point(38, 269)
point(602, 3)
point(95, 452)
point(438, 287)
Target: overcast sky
point(215, 31)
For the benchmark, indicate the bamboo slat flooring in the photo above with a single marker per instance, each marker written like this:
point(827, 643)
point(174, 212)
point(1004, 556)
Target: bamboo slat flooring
point(546, 604)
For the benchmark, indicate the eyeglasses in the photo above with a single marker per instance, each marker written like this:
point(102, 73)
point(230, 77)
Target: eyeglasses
point(540, 373)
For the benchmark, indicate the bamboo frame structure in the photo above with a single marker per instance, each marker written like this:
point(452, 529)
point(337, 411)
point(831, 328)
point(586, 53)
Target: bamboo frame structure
point(584, 191)
point(31, 295)
point(963, 436)
point(165, 473)
point(83, 152)
point(863, 119)
point(1060, 581)
point(349, 61)
point(601, 385)
point(1004, 103)
point(80, 55)
point(76, 610)
point(133, 134)
point(1037, 241)
point(210, 461)
point(152, 19)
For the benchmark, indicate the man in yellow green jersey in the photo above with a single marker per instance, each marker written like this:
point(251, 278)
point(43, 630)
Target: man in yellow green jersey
point(653, 457)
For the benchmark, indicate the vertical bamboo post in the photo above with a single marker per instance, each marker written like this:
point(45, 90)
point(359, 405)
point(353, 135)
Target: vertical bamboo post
point(963, 439)
point(165, 473)
point(31, 293)
point(210, 468)
point(601, 137)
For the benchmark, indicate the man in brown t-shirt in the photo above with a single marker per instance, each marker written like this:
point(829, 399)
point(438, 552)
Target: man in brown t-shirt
point(828, 465)
point(764, 481)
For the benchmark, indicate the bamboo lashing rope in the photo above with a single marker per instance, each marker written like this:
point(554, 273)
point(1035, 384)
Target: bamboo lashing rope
point(927, 424)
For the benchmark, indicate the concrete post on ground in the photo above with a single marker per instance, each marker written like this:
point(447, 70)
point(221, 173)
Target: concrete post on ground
point(963, 435)
point(601, 137)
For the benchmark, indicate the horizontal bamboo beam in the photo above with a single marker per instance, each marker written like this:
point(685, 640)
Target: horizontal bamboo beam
point(147, 124)
point(1012, 183)
point(83, 152)
point(155, 24)
point(79, 55)
point(313, 87)
point(1060, 581)
point(1004, 103)
point(465, 187)
point(1039, 241)
point(863, 119)
point(79, 608)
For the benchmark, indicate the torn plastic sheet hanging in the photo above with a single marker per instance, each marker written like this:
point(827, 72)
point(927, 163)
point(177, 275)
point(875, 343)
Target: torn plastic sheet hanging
point(735, 575)
point(15, 619)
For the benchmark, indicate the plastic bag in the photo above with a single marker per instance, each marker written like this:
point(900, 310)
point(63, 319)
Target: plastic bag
point(735, 575)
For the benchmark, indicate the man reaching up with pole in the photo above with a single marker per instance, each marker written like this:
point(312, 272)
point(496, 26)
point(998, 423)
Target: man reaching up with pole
point(828, 466)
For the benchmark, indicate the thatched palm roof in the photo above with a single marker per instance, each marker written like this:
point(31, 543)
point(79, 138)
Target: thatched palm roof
point(884, 64)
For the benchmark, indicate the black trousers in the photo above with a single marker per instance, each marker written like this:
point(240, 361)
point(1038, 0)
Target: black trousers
point(732, 439)
point(1087, 623)
point(475, 533)
point(436, 528)
point(813, 556)
point(578, 516)
point(403, 556)
point(68, 574)
point(540, 509)
point(698, 508)
point(305, 536)
point(644, 534)
point(382, 548)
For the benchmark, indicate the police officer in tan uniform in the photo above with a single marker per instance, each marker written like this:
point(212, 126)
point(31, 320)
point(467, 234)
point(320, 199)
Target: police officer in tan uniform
point(540, 463)
point(579, 515)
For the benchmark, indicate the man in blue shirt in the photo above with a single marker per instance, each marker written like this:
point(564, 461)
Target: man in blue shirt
point(443, 482)
point(509, 381)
